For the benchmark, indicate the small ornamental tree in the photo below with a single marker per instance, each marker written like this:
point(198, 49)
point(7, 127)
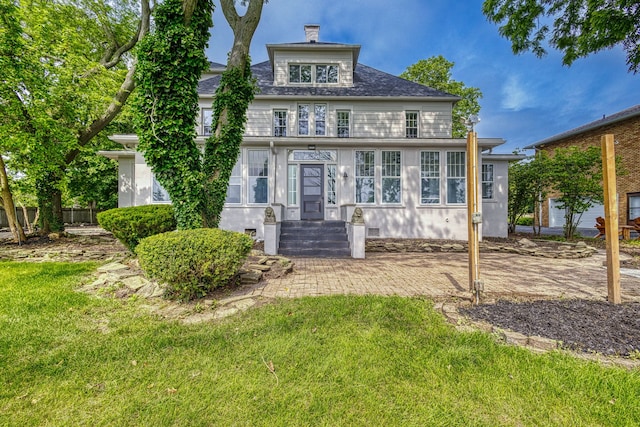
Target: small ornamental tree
point(529, 182)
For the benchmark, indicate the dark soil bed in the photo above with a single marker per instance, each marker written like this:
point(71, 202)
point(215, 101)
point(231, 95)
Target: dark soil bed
point(582, 325)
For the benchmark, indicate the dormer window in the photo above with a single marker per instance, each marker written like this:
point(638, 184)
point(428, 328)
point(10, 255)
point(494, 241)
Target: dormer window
point(306, 73)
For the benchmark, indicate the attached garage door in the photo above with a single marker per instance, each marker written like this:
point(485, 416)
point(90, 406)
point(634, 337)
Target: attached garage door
point(556, 215)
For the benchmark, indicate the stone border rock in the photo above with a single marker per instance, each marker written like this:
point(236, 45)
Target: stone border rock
point(541, 248)
point(536, 344)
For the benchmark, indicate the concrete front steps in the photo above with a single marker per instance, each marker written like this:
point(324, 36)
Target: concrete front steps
point(327, 239)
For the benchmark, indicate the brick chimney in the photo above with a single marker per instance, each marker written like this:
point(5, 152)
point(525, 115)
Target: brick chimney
point(312, 32)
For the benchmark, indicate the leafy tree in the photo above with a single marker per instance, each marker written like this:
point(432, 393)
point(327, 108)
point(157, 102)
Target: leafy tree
point(66, 75)
point(580, 27)
point(529, 180)
point(435, 72)
point(577, 178)
point(171, 60)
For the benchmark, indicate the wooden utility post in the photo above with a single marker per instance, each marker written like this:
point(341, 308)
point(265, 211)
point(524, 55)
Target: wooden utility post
point(473, 215)
point(611, 218)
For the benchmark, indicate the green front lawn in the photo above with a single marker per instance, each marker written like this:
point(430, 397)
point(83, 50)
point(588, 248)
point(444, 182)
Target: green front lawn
point(71, 359)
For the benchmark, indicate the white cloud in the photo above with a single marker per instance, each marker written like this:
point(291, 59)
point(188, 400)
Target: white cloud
point(515, 96)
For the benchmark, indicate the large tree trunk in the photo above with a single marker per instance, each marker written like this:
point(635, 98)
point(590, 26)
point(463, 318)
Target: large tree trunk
point(222, 149)
point(9, 207)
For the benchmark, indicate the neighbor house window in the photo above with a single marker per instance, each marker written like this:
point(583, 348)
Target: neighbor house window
point(411, 124)
point(429, 177)
point(343, 124)
point(292, 185)
point(207, 113)
point(633, 204)
point(258, 183)
point(487, 181)
point(234, 190)
point(299, 73)
point(280, 123)
point(456, 178)
point(159, 194)
point(331, 185)
point(391, 185)
point(365, 177)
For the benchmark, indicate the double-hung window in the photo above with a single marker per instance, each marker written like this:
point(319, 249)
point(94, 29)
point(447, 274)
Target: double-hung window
point(391, 171)
point(365, 177)
point(487, 181)
point(429, 177)
point(234, 190)
point(343, 120)
point(411, 124)
point(207, 114)
point(456, 178)
point(280, 123)
point(258, 182)
point(312, 119)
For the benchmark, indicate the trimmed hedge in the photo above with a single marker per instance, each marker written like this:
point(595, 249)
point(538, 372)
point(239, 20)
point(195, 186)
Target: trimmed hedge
point(525, 220)
point(193, 262)
point(132, 224)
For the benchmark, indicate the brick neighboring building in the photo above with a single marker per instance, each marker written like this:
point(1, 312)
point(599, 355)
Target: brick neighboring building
point(625, 126)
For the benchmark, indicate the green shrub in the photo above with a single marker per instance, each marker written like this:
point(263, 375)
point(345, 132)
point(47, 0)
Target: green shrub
point(193, 262)
point(130, 225)
point(525, 220)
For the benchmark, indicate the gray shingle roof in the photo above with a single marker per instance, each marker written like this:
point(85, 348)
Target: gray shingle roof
point(368, 82)
point(617, 117)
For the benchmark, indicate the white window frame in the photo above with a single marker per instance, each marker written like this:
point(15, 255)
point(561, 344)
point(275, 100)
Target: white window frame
point(430, 170)
point(314, 114)
point(365, 172)
point(340, 124)
point(235, 180)
point(488, 181)
point(332, 182)
point(304, 117)
point(251, 176)
point(317, 75)
point(207, 118)
point(292, 184)
point(157, 188)
point(391, 171)
point(411, 124)
point(456, 172)
point(280, 128)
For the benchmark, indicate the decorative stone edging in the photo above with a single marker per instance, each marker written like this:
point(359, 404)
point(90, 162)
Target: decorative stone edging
point(527, 247)
point(535, 343)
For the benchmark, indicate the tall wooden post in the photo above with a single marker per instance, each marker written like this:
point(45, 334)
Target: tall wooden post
point(611, 218)
point(473, 214)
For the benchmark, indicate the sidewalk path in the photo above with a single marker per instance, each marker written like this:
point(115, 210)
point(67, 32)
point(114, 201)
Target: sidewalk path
point(445, 276)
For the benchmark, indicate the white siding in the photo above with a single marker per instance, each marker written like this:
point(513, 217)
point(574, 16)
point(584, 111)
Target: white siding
point(343, 59)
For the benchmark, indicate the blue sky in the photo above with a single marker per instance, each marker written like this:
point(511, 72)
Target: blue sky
point(526, 99)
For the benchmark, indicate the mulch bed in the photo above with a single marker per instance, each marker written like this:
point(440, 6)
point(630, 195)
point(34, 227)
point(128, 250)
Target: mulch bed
point(582, 325)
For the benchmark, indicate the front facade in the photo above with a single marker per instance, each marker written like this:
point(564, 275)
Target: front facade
point(325, 135)
point(625, 126)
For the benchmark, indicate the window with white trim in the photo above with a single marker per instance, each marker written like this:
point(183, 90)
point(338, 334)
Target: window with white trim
point(331, 185)
point(303, 119)
point(320, 113)
point(307, 73)
point(312, 119)
point(411, 124)
point(391, 172)
point(292, 185)
point(456, 178)
point(429, 177)
point(487, 181)
point(159, 194)
point(207, 114)
point(279, 122)
point(234, 190)
point(365, 177)
point(343, 120)
point(258, 182)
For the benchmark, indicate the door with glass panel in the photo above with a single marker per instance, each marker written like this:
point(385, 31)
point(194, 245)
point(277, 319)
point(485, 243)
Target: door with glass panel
point(312, 191)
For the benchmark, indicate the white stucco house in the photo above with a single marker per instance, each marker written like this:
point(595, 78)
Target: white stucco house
point(326, 134)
